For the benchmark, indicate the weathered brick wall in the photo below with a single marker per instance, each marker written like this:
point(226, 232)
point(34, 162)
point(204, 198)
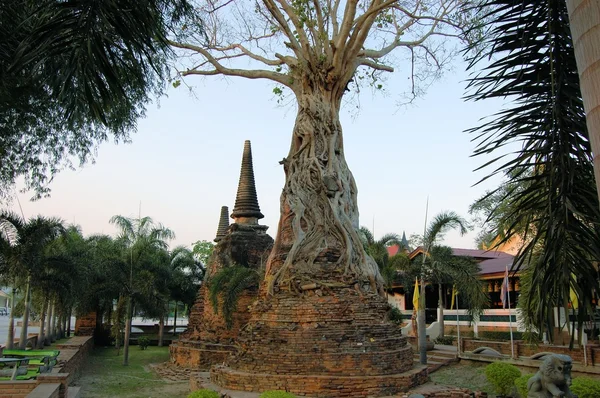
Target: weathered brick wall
point(85, 325)
point(207, 339)
point(321, 345)
point(319, 385)
point(198, 355)
point(342, 334)
point(17, 389)
point(73, 353)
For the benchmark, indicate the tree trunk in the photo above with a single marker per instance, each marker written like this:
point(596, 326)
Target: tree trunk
point(127, 331)
point(161, 330)
point(175, 318)
point(48, 337)
point(53, 323)
point(69, 322)
point(422, 324)
point(441, 310)
point(41, 337)
point(23, 338)
point(317, 239)
point(584, 18)
point(10, 339)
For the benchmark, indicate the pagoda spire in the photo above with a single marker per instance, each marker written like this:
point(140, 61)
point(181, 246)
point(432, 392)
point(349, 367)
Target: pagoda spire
point(246, 209)
point(223, 224)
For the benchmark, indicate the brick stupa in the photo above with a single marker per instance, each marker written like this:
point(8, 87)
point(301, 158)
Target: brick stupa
point(329, 337)
point(208, 340)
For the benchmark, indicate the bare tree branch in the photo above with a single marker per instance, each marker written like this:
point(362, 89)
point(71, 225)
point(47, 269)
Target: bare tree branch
point(223, 70)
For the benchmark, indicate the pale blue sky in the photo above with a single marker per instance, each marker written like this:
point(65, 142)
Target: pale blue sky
point(183, 163)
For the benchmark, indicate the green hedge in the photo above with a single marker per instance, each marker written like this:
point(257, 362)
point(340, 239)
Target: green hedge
point(586, 387)
point(521, 384)
point(496, 335)
point(276, 394)
point(502, 376)
point(204, 393)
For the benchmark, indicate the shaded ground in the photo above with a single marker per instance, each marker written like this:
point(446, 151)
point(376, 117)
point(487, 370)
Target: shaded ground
point(463, 375)
point(104, 375)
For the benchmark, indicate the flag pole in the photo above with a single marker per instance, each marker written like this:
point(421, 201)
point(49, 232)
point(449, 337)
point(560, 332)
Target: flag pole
point(457, 328)
point(512, 345)
point(421, 317)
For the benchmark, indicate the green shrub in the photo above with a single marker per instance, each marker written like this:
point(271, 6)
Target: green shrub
point(502, 376)
point(446, 340)
point(521, 384)
point(204, 393)
point(586, 387)
point(396, 316)
point(143, 342)
point(276, 394)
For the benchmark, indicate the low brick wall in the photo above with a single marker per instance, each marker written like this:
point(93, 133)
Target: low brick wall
point(17, 389)
point(523, 349)
point(46, 390)
point(320, 385)
point(72, 355)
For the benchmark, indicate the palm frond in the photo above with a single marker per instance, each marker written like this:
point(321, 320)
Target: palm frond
point(556, 208)
point(228, 284)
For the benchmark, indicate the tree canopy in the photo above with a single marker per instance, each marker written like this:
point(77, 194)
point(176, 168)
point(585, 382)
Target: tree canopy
point(74, 74)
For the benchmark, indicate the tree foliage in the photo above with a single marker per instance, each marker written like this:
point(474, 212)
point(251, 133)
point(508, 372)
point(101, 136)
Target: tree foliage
point(551, 197)
point(72, 75)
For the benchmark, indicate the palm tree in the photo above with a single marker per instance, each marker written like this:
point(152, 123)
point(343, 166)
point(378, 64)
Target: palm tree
point(140, 236)
point(29, 254)
point(377, 249)
point(557, 215)
point(9, 238)
point(437, 266)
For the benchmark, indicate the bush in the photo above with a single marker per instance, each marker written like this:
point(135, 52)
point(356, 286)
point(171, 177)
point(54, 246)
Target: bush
point(502, 376)
point(143, 342)
point(521, 384)
point(204, 393)
point(446, 340)
point(276, 394)
point(396, 316)
point(586, 387)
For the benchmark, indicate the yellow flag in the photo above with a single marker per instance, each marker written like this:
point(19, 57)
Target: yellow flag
point(573, 297)
point(416, 295)
point(454, 293)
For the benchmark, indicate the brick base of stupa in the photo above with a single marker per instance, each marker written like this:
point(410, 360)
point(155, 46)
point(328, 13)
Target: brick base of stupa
point(198, 355)
point(323, 345)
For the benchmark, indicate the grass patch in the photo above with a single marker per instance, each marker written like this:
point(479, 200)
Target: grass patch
point(105, 376)
point(471, 376)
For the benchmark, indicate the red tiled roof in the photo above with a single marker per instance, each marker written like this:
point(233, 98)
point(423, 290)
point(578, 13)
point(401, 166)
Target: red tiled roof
point(490, 261)
point(479, 253)
point(393, 250)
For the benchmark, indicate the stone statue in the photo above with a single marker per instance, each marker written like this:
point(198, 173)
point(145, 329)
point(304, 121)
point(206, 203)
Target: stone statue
point(553, 379)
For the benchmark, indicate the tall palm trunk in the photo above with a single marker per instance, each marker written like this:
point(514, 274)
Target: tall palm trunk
point(23, 338)
point(317, 236)
point(69, 321)
point(161, 330)
point(41, 337)
point(584, 18)
point(52, 330)
point(175, 318)
point(127, 331)
point(48, 337)
point(441, 309)
point(10, 339)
